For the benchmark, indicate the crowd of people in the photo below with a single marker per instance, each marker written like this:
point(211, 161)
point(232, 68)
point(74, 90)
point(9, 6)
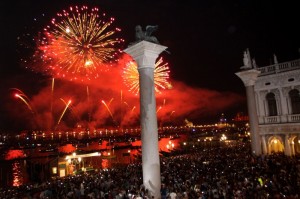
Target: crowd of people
point(200, 173)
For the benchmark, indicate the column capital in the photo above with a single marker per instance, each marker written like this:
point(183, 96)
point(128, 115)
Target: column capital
point(145, 53)
point(248, 77)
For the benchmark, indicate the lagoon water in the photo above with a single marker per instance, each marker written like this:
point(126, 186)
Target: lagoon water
point(32, 165)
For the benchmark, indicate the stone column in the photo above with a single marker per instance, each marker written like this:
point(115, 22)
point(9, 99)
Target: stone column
point(145, 54)
point(264, 144)
point(287, 147)
point(260, 107)
point(283, 106)
point(249, 77)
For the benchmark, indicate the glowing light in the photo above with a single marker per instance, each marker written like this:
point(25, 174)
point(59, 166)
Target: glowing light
point(68, 30)
point(172, 113)
point(161, 76)
point(223, 137)
point(132, 109)
point(88, 101)
point(52, 92)
point(62, 114)
point(158, 109)
point(78, 44)
point(24, 98)
point(110, 101)
point(103, 102)
point(126, 104)
point(17, 176)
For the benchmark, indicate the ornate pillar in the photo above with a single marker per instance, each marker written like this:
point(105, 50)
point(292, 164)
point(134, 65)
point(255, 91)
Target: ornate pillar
point(145, 54)
point(297, 144)
point(260, 107)
point(293, 152)
point(249, 77)
point(264, 144)
point(287, 147)
point(284, 105)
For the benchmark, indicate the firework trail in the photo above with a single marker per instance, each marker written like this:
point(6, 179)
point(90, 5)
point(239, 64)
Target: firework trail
point(62, 114)
point(161, 76)
point(51, 102)
point(121, 96)
point(88, 99)
point(121, 106)
point(172, 113)
point(103, 102)
point(126, 104)
point(159, 109)
point(78, 44)
point(71, 109)
point(24, 100)
point(21, 95)
point(133, 109)
point(18, 91)
point(110, 102)
point(52, 93)
point(129, 107)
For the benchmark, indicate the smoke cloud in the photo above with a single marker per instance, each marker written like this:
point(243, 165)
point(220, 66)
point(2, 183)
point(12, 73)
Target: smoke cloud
point(106, 101)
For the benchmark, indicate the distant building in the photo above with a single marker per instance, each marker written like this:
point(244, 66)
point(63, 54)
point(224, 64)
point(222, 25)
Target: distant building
point(273, 97)
point(222, 121)
point(188, 123)
point(241, 117)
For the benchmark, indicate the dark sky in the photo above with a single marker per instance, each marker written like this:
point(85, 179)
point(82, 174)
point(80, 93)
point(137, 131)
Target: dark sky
point(206, 38)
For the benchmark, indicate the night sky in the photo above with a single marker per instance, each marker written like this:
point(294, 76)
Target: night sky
point(206, 40)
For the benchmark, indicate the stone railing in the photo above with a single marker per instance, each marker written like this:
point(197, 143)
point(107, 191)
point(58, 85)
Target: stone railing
point(279, 119)
point(294, 118)
point(272, 119)
point(280, 67)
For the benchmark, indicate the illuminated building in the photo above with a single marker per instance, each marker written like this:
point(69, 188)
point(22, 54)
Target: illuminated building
point(273, 97)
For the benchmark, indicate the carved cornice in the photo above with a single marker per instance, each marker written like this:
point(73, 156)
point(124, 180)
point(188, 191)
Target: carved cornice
point(279, 129)
point(145, 53)
point(248, 77)
point(278, 80)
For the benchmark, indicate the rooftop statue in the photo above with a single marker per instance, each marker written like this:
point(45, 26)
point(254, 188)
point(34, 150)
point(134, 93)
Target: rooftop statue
point(247, 60)
point(254, 63)
point(141, 35)
point(275, 59)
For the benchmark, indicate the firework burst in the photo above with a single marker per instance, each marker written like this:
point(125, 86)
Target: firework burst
point(78, 44)
point(161, 76)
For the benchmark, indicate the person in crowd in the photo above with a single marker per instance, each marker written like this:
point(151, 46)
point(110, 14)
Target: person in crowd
point(218, 172)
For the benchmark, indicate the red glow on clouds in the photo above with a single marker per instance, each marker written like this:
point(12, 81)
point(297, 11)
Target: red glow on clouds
point(86, 109)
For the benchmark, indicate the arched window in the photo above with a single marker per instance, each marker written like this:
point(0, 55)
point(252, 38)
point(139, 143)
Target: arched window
point(295, 101)
point(272, 107)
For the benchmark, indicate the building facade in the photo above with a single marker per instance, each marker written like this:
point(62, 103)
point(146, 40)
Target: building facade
point(276, 96)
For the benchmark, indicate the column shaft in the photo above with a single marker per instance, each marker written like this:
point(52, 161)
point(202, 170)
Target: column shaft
point(253, 120)
point(145, 54)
